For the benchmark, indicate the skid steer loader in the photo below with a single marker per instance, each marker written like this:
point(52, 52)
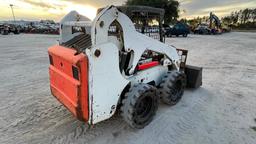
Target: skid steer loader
point(105, 65)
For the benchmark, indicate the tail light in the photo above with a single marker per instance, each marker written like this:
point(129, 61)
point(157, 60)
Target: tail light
point(50, 59)
point(75, 72)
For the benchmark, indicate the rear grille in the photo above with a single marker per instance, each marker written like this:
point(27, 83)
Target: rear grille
point(79, 43)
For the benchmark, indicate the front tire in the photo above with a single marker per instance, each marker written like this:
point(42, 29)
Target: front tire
point(139, 105)
point(172, 87)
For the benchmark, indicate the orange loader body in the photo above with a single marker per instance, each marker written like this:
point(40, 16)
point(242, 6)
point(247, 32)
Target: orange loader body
point(69, 80)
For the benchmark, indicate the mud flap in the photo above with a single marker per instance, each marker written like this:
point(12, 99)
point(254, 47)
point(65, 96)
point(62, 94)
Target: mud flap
point(194, 76)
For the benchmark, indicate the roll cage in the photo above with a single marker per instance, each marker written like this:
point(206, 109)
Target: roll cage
point(147, 20)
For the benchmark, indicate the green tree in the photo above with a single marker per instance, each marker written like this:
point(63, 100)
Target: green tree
point(246, 15)
point(227, 19)
point(234, 17)
point(254, 15)
point(171, 7)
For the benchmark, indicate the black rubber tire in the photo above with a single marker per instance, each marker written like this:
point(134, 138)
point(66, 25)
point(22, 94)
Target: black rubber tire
point(185, 35)
point(172, 87)
point(168, 35)
point(139, 97)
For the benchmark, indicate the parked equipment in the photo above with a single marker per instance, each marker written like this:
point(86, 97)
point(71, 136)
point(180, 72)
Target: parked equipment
point(213, 27)
point(216, 27)
point(105, 65)
point(14, 29)
point(7, 29)
point(4, 29)
point(202, 29)
point(178, 29)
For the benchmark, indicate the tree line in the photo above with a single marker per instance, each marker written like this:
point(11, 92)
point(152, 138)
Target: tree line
point(241, 16)
point(241, 19)
point(245, 18)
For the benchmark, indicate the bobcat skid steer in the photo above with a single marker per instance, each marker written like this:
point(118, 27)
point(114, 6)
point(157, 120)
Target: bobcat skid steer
point(105, 65)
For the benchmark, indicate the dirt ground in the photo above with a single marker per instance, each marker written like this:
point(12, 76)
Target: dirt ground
point(222, 111)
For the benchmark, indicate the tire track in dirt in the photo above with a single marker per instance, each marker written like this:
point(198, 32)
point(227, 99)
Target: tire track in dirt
point(176, 126)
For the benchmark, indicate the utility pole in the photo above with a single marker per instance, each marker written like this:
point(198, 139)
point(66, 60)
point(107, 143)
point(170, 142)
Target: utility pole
point(11, 5)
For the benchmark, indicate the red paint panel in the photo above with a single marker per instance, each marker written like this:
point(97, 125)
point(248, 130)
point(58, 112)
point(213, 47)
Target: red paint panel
point(71, 92)
point(148, 65)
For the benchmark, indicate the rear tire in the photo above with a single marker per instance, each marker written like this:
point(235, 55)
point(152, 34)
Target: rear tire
point(139, 105)
point(172, 87)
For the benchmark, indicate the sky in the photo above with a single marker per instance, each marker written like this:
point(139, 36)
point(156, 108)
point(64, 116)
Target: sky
point(56, 9)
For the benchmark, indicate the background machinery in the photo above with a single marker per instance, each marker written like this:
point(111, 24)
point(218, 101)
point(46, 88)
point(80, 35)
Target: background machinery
point(6, 29)
point(105, 65)
point(178, 29)
point(216, 26)
point(212, 26)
